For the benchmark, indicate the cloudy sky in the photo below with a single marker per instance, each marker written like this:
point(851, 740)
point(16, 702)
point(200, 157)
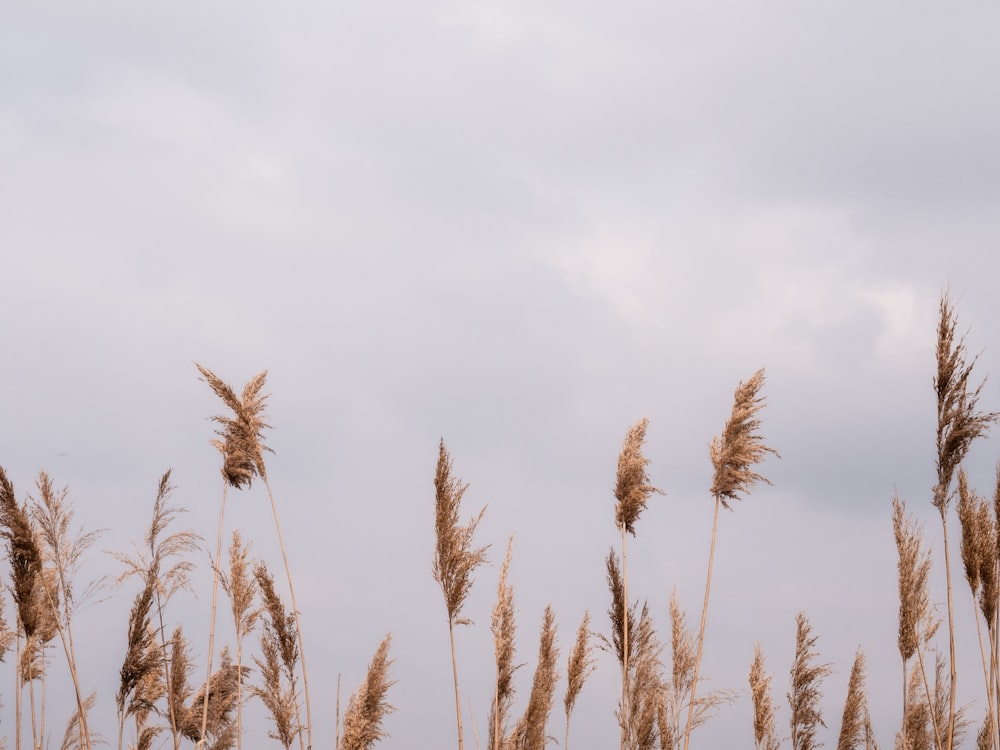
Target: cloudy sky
point(521, 227)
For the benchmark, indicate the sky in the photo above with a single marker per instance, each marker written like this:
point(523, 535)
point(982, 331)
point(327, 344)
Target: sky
point(520, 228)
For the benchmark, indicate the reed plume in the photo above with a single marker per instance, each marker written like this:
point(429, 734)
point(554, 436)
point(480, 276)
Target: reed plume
point(367, 708)
point(162, 565)
point(279, 647)
point(646, 685)
point(734, 453)
point(503, 628)
point(52, 517)
point(979, 559)
point(238, 584)
point(855, 726)
point(678, 689)
point(218, 694)
point(142, 664)
point(455, 558)
point(765, 733)
point(632, 493)
point(241, 444)
point(959, 423)
point(530, 732)
point(581, 663)
point(804, 696)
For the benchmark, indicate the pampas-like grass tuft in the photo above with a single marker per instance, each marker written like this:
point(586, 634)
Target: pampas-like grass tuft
point(579, 667)
point(367, 708)
point(530, 732)
point(242, 435)
point(503, 628)
point(455, 557)
point(804, 696)
point(765, 733)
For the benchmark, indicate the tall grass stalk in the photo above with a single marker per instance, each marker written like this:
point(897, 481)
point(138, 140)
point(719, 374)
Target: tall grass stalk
point(242, 448)
point(579, 667)
point(503, 627)
point(733, 454)
point(632, 492)
point(959, 423)
point(804, 695)
point(455, 558)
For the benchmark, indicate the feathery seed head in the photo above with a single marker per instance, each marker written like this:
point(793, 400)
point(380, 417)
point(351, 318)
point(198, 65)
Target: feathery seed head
point(741, 445)
point(242, 435)
point(632, 487)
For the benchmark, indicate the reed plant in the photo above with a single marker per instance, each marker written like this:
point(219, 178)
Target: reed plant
point(765, 731)
point(734, 455)
point(579, 667)
point(455, 558)
point(163, 566)
point(367, 707)
point(503, 627)
point(241, 444)
point(959, 423)
point(804, 695)
point(632, 493)
point(239, 586)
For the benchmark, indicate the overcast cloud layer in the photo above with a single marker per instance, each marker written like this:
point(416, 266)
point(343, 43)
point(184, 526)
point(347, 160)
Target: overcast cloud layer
point(520, 227)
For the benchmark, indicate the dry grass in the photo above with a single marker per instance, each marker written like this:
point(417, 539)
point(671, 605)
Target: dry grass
point(279, 648)
point(632, 487)
point(238, 584)
point(503, 628)
point(530, 732)
point(740, 447)
point(734, 453)
point(765, 733)
point(804, 696)
point(578, 668)
point(242, 435)
point(455, 557)
point(855, 726)
point(368, 706)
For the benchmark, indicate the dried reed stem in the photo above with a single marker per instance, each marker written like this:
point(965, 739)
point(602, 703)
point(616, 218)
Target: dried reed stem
point(632, 492)
point(455, 559)
point(733, 454)
point(959, 423)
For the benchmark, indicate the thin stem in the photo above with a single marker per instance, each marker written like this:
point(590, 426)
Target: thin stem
point(701, 629)
point(951, 628)
point(295, 614)
point(626, 723)
point(215, 599)
point(454, 670)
